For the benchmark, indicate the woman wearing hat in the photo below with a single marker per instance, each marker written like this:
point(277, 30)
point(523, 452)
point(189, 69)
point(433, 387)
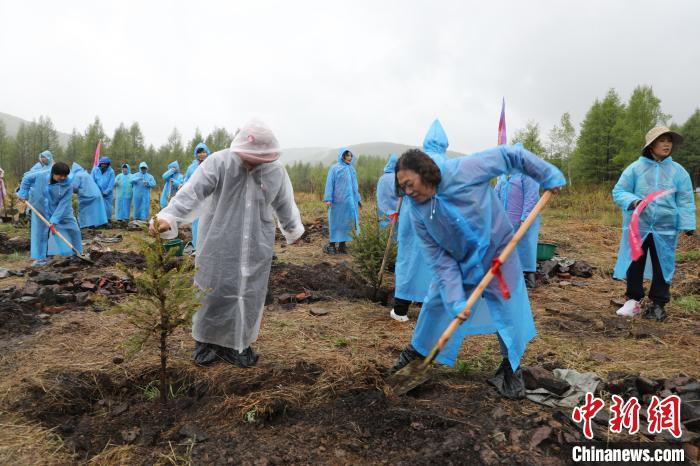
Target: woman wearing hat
point(659, 223)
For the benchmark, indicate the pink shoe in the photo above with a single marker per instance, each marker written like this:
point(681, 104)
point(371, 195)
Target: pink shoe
point(630, 309)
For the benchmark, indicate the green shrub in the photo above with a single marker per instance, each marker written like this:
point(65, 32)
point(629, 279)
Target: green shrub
point(368, 248)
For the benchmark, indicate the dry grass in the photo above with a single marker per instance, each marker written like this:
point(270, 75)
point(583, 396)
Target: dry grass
point(27, 443)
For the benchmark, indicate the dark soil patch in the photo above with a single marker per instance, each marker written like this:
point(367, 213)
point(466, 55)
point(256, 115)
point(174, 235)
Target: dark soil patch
point(131, 260)
point(16, 317)
point(322, 280)
point(8, 245)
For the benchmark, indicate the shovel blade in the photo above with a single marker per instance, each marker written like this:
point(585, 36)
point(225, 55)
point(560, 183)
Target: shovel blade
point(409, 377)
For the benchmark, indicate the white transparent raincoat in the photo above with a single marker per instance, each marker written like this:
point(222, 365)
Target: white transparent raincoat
point(235, 207)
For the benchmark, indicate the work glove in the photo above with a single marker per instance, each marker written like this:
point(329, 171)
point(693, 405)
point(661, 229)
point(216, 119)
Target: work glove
point(633, 205)
point(458, 307)
point(52, 227)
point(689, 232)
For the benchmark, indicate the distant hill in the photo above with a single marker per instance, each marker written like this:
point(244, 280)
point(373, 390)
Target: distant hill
point(327, 155)
point(12, 124)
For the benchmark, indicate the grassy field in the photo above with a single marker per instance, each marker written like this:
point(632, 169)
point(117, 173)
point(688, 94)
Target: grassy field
point(60, 381)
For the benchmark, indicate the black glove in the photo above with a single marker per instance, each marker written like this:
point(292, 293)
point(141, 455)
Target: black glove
point(633, 205)
point(689, 232)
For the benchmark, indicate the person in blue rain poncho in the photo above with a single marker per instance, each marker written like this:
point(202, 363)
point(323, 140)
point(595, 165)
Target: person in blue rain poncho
point(45, 161)
point(342, 197)
point(125, 192)
point(104, 177)
point(51, 195)
point(412, 273)
point(462, 227)
point(201, 152)
point(91, 207)
point(142, 182)
point(519, 194)
point(236, 193)
point(659, 224)
point(173, 180)
point(387, 199)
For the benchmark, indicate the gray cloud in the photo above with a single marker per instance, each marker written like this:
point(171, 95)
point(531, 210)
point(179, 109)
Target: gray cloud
point(331, 73)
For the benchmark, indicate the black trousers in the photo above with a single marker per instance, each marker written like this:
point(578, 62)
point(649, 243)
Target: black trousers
point(660, 291)
point(401, 306)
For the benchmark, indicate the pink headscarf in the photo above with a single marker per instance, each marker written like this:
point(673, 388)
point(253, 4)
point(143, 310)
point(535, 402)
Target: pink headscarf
point(255, 144)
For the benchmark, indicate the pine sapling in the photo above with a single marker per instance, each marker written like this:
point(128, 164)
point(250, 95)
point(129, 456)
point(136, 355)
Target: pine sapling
point(166, 299)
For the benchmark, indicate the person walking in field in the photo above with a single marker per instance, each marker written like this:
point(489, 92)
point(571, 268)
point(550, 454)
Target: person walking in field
point(342, 197)
point(125, 193)
point(659, 224)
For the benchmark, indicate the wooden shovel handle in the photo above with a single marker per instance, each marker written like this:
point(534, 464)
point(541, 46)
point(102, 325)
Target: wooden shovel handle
point(388, 243)
point(479, 290)
point(48, 224)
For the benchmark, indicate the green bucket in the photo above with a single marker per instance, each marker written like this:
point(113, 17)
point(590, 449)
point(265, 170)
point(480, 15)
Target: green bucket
point(545, 251)
point(176, 244)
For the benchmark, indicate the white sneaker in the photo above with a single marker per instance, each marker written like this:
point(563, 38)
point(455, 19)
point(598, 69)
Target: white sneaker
point(630, 309)
point(395, 316)
point(40, 262)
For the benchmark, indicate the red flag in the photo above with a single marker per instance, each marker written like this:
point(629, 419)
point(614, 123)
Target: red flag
point(502, 124)
point(635, 237)
point(97, 154)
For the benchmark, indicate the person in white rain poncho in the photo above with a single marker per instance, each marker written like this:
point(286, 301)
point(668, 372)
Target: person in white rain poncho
point(235, 193)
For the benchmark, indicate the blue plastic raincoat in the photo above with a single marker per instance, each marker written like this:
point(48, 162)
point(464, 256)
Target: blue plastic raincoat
point(519, 194)
point(125, 192)
point(343, 194)
point(412, 273)
point(462, 228)
point(91, 207)
point(173, 181)
point(663, 218)
point(190, 171)
point(142, 184)
point(39, 165)
point(54, 202)
point(105, 181)
point(386, 192)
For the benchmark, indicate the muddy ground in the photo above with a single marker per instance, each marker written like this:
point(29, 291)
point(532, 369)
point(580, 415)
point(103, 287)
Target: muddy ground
point(71, 392)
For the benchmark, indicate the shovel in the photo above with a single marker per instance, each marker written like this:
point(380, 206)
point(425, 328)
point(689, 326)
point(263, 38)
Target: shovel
point(417, 372)
point(388, 247)
point(58, 233)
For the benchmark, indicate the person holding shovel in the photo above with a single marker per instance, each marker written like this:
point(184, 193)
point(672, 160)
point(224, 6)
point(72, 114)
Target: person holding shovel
point(412, 273)
point(342, 198)
point(659, 223)
point(45, 161)
point(51, 194)
point(462, 227)
point(235, 193)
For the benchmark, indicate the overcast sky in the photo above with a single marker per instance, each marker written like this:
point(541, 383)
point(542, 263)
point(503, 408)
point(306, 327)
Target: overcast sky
point(328, 73)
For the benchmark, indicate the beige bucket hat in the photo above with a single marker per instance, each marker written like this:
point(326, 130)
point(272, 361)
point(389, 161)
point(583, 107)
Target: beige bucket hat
point(658, 131)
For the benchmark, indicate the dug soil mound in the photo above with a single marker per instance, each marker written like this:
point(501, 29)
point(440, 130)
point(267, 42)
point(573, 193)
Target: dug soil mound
point(323, 281)
point(8, 244)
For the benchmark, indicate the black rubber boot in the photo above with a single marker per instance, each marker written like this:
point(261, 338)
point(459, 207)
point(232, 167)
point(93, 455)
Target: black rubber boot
point(242, 359)
point(204, 354)
point(649, 312)
point(508, 384)
point(408, 354)
point(342, 249)
point(530, 280)
point(330, 249)
point(659, 313)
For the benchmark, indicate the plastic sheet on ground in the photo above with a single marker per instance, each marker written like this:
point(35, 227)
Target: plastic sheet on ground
point(581, 383)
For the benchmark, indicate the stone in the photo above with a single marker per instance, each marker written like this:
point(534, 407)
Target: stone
point(54, 309)
point(647, 386)
point(117, 359)
point(541, 434)
point(47, 294)
point(50, 278)
point(564, 284)
point(4, 273)
point(120, 408)
point(599, 357)
point(193, 432)
point(65, 298)
point(30, 289)
point(317, 311)
point(285, 298)
point(690, 387)
point(82, 299)
point(129, 435)
point(617, 302)
point(548, 268)
point(515, 436)
point(581, 269)
point(29, 300)
point(88, 286)
point(564, 275)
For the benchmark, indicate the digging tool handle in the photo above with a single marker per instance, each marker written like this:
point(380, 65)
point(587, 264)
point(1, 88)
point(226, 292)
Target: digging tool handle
point(388, 243)
point(55, 231)
point(476, 294)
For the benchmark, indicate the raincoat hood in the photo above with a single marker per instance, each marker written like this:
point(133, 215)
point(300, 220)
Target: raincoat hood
point(343, 150)
point(201, 145)
point(128, 167)
point(48, 155)
point(436, 139)
point(143, 165)
point(174, 164)
point(104, 160)
point(76, 168)
point(390, 166)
